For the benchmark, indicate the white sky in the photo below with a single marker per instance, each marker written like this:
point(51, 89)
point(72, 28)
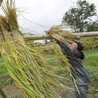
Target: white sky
point(43, 12)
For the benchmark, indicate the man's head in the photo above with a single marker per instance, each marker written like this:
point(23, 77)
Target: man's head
point(79, 47)
point(76, 46)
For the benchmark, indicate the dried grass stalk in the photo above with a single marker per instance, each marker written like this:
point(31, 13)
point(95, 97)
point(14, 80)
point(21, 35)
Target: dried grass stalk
point(57, 32)
point(26, 66)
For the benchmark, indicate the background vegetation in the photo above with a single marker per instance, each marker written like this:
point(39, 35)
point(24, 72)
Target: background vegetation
point(82, 17)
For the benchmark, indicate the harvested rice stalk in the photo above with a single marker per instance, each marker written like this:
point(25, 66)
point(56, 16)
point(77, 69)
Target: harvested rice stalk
point(31, 73)
point(57, 32)
point(3, 23)
point(28, 69)
point(8, 8)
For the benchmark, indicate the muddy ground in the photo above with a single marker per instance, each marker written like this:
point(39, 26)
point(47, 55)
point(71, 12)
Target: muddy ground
point(13, 92)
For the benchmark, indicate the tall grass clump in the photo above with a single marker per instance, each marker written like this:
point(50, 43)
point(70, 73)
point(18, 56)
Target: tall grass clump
point(31, 73)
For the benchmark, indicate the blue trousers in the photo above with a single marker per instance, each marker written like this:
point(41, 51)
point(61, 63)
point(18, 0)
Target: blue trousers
point(83, 91)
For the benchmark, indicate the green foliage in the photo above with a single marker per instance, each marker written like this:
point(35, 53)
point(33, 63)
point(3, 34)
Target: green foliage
point(93, 26)
point(79, 17)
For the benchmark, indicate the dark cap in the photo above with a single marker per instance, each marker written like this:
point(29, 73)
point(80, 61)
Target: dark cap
point(80, 46)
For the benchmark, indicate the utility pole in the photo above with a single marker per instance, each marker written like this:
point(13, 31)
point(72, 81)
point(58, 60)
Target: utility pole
point(40, 37)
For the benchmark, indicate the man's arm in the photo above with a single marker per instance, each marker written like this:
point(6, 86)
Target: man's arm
point(65, 49)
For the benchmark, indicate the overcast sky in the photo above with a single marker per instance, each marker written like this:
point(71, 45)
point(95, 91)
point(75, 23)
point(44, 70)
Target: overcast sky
point(43, 14)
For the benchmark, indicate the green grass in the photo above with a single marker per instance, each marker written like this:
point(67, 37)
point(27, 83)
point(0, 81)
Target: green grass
point(91, 63)
point(3, 70)
point(4, 75)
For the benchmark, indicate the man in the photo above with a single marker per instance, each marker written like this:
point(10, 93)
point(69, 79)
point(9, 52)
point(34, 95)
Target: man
point(75, 55)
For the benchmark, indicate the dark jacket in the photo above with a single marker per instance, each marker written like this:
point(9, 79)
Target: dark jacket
point(80, 74)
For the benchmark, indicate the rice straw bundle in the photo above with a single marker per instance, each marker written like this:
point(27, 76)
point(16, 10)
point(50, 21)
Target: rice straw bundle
point(31, 73)
point(57, 32)
point(3, 21)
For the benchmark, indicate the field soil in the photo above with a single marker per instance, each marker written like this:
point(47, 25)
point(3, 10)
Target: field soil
point(13, 92)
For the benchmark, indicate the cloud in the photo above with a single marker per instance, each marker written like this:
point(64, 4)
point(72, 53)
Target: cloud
point(43, 12)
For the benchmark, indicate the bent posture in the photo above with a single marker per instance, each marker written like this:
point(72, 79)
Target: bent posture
point(75, 56)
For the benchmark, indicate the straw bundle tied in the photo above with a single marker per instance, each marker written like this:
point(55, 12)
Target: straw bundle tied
point(58, 33)
point(26, 66)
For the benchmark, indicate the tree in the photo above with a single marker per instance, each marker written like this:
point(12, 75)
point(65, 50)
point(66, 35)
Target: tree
point(93, 26)
point(80, 17)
